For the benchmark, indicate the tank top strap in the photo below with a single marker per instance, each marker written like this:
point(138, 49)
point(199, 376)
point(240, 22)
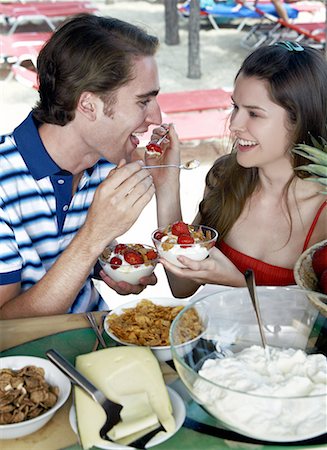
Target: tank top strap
point(313, 225)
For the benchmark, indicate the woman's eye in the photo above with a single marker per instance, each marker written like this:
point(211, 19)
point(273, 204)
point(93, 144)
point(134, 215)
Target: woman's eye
point(252, 114)
point(145, 102)
point(234, 106)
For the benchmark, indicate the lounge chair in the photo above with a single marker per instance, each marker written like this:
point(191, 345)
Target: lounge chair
point(230, 10)
point(14, 14)
point(272, 29)
point(14, 46)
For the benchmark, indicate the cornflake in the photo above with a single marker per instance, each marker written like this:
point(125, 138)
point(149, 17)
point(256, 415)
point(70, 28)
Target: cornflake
point(24, 394)
point(148, 324)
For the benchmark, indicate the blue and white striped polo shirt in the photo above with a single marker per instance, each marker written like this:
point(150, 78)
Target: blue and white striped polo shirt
point(38, 217)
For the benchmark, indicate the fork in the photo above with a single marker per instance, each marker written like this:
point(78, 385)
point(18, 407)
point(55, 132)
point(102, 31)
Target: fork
point(112, 409)
point(94, 325)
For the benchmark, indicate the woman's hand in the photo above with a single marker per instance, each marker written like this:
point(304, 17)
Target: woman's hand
point(124, 288)
point(170, 155)
point(216, 269)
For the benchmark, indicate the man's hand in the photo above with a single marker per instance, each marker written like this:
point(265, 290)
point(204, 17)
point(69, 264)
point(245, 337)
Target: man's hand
point(124, 288)
point(117, 203)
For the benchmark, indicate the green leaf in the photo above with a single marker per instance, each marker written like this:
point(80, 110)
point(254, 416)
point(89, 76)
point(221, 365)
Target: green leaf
point(317, 180)
point(311, 153)
point(316, 169)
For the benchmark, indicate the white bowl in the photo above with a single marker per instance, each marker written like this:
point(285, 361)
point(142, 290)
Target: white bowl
point(179, 413)
point(53, 376)
point(281, 397)
point(162, 353)
point(127, 272)
point(197, 251)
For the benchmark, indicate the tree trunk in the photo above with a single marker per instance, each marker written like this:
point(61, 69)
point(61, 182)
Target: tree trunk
point(171, 22)
point(194, 63)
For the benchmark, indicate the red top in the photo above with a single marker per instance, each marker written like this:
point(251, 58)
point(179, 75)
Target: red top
point(266, 274)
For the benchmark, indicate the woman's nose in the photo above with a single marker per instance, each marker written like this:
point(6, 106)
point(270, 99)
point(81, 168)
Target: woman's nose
point(237, 122)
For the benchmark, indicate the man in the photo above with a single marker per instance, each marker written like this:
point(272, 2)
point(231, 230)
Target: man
point(60, 202)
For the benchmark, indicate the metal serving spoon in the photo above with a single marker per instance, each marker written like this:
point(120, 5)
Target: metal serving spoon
point(189, 165)
point(250, 282)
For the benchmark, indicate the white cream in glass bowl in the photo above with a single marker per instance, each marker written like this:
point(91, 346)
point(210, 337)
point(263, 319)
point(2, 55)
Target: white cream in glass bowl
point(273, 395)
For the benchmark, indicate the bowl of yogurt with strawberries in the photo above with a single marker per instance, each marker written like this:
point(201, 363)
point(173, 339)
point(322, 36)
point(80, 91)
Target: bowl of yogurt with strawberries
point(182, 239)
point(128, 262)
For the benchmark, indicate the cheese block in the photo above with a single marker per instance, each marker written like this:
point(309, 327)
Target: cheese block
point(132, 377)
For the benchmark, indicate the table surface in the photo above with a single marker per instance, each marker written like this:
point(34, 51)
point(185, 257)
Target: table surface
point(70, 335)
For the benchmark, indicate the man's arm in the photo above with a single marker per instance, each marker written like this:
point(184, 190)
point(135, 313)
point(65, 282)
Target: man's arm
point(117, 203)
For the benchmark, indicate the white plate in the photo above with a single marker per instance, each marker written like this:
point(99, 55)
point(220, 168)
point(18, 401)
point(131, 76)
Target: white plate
point(163, 353)
point(179, 413)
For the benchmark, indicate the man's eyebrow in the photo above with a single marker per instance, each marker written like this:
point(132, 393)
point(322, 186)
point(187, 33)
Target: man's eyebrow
point(148, 94)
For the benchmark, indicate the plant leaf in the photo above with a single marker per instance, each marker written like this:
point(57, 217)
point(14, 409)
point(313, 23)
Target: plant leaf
point(316, 169)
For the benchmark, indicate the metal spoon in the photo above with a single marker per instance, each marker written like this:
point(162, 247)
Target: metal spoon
point(250, 281)
point(189, 165)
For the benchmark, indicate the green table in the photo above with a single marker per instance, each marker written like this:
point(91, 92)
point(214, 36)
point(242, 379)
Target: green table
point(198, 432)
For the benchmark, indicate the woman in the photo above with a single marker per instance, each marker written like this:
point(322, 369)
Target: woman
point(265, 211)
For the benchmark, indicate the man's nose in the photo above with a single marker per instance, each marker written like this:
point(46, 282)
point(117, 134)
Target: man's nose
point(154, 116)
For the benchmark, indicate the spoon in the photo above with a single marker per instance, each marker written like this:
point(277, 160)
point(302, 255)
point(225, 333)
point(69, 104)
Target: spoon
point(250, 281)
point(189, 165)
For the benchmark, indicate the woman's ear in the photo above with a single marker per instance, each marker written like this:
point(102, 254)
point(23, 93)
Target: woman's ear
point(87, 105)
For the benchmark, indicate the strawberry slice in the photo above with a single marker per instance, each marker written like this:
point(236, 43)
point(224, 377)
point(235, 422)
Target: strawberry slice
point(133, 257)
point(151, 254)
point(153, 147)
point(179, 228)
point(115, 262)
point(185, 239)
point(120, 248)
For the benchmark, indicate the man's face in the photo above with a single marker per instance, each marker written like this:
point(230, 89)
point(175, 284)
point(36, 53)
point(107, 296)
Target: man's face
point(135, 108)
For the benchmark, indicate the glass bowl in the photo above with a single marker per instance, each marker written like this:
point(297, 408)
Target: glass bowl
point(140, 263)
point(282, 397)
point(167, 245)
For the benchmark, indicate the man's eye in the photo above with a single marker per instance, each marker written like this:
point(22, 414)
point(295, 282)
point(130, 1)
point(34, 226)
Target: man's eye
point(253, 114)
point(145, 102)
point(234, 105)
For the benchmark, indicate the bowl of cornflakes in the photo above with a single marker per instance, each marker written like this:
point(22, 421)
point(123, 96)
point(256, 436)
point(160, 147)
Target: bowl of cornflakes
point(31, 392)
point(147, 322)
point(128, 262)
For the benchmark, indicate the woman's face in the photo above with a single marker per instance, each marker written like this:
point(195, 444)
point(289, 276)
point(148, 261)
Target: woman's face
point(259, 126)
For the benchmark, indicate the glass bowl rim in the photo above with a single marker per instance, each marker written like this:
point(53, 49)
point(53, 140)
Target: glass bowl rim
point(213, 239)
point(215, 385)
point(151, 262)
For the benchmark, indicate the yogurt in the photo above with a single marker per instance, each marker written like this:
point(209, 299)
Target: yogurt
point(282, 398)
point(198, 240)
point(197, 252)
point(125, 271)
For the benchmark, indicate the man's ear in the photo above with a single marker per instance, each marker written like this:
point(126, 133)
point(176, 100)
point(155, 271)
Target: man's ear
point(87, 105)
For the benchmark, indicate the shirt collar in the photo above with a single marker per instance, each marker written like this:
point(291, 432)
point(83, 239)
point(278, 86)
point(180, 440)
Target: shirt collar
point(30, 146)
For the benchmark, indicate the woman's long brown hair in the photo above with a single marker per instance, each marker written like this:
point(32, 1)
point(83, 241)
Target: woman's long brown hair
point(298, 83)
